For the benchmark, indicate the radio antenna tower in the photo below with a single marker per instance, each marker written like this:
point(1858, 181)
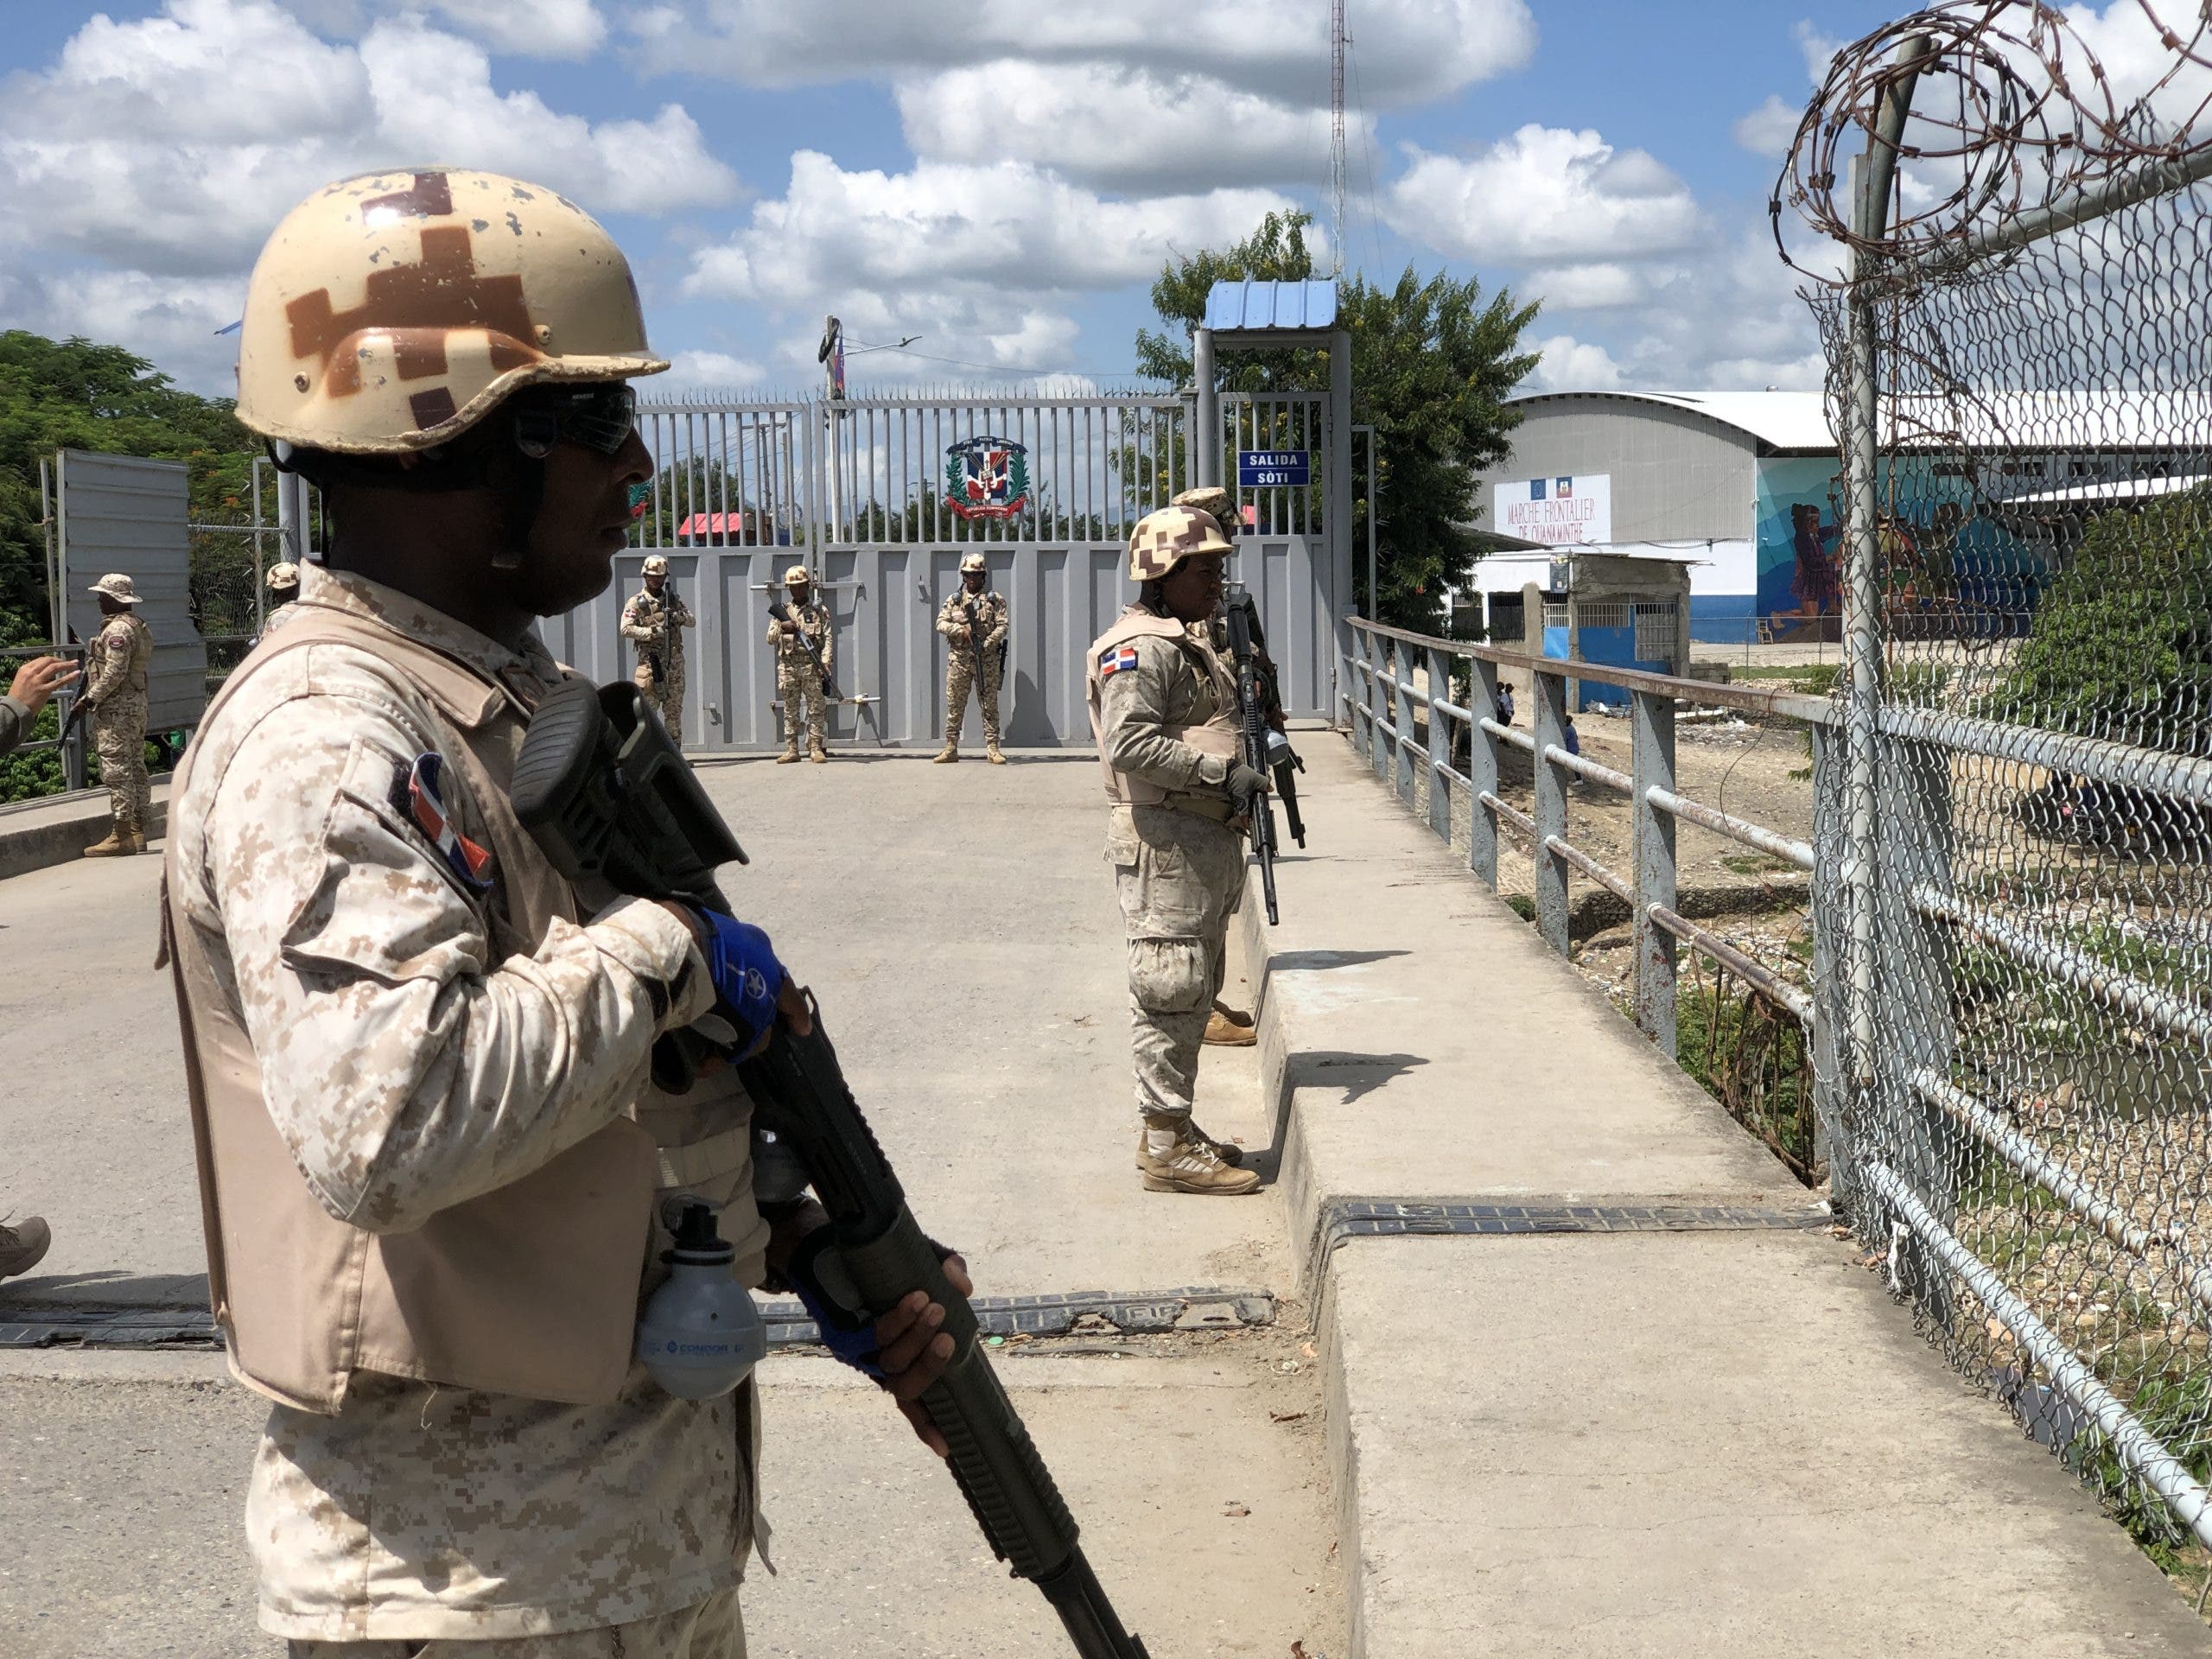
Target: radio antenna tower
point(1337, 135)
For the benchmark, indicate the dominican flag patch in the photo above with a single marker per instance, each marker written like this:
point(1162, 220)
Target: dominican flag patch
point(423, 803)
point(1112, 662)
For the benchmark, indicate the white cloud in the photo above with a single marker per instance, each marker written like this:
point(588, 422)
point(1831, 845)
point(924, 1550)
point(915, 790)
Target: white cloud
point(1123, 127)
point(136, 147)
point(531, 28)
point(1588, 288)
point(1769, 129)
point(1544, 196)
point(715, 370)
point(1408, 51)
point(1570, 364)
point(978, 259)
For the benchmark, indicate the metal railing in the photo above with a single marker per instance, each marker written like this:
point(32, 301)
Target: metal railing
point(1381, 693)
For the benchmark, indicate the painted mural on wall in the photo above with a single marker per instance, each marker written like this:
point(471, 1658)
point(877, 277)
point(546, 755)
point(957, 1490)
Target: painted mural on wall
point(1953, 565)
point(1799, 529)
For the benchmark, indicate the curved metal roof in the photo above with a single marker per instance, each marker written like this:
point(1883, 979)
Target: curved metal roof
point(1780, 420)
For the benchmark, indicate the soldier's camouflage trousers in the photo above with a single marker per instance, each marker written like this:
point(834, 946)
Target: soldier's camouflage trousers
point(959, 676)
point(666, 696)
point(119, 739)
point(793, 687)
point(1180, 878)
point(713, 1630)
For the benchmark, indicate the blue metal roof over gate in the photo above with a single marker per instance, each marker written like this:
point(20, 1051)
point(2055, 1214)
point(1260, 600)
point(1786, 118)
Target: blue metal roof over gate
point(1249, 306)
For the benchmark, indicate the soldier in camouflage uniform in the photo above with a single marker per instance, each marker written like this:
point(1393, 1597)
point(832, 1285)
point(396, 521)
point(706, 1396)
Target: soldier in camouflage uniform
point(654, 620)
point(973, 607)
point(284, 580)
point(798, 686)
point(116, 665)
point(433, 1169)
point(1163, 710)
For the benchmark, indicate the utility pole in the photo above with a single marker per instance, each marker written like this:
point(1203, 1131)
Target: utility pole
point(1337, 42)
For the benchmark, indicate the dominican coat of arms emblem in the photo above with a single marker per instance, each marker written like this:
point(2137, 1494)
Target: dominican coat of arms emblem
point(986, 478)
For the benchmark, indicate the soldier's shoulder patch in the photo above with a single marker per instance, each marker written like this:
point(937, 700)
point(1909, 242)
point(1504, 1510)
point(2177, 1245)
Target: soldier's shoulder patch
point(1115, 658)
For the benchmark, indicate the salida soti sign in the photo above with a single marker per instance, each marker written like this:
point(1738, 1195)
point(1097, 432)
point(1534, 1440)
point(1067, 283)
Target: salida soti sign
point(1264, 469)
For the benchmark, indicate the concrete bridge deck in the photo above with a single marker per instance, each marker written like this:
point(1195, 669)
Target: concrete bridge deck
point(1725, 1440)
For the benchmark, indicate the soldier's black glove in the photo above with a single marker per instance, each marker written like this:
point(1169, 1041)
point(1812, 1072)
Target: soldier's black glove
point(1243, 783)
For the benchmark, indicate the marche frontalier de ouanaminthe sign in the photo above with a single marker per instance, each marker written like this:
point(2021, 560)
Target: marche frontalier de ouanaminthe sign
point(1558, 511)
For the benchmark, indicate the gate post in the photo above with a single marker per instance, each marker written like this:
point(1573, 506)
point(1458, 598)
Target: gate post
point(1205, 452)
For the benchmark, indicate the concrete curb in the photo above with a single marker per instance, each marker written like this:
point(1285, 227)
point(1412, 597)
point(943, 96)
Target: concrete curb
point(37, 834)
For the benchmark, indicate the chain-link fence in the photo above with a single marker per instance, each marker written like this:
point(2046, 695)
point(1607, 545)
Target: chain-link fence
point(2018, 844)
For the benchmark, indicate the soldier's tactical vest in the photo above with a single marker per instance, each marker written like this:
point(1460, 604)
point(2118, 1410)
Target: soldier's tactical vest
point(531, 1289)
point(134, 641)
point(1213, 732)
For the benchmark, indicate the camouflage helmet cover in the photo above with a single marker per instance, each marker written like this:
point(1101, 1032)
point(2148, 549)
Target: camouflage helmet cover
point(797, 576)
point(118, 587)
point(973, 562)
point(389, 313)
point(1165, 538)
point(283, 574)
point(655, 566)
point(1209, 497)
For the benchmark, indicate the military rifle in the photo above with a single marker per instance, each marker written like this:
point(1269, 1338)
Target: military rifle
point(603, 791)
point(1283, 761)
point(1244, 651)
point(974, 608)
point(782, 612)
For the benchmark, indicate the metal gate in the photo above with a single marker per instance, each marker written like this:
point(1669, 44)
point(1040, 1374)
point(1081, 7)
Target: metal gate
point(859, 491)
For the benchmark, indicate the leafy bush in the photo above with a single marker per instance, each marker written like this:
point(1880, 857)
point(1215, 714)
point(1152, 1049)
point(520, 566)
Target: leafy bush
point(2122, 642)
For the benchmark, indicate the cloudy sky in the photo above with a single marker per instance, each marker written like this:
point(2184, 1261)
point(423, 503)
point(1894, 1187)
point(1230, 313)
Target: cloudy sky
point(1002, 180)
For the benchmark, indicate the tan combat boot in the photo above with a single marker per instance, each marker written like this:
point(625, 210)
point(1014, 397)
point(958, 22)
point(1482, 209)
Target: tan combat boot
point(947, 755)
point(118, 845)
point(820, 757)
point(993, 755)
point(1228, 1151)
point(1224, 1029)
point(1194, 1163)
point(22, 1246)
point(789, 757)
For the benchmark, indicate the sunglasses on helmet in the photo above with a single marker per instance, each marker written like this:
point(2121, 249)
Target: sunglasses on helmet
point(599, 417)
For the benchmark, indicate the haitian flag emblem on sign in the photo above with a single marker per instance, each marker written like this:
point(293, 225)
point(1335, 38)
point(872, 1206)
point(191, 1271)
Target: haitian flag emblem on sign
point(986, 478)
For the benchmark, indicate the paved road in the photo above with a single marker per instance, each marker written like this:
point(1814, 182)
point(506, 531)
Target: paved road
point(959, 927)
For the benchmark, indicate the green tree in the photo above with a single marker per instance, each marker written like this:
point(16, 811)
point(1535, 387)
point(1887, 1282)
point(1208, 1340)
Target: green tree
point(2121, 646)
point(79, 394)
point(1432, 363)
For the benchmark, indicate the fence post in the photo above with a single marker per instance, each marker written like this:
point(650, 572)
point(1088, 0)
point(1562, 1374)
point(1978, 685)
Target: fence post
point(1653, 767)
point(1482, 770)
point(1549, 693)
point(1833, 1140)
point(1379, 751)
point(1363, 740)
point(1439, 744)
point(1402, 773)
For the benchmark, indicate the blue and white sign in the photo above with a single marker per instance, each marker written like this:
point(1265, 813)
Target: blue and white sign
point(1266, 469)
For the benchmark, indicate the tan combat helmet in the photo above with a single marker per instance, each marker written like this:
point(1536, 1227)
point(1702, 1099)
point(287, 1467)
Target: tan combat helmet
point(655, 566)
point(283, 574)
point(391, 312)
point(974, 561)
point(798, 577)
point(1163, 539)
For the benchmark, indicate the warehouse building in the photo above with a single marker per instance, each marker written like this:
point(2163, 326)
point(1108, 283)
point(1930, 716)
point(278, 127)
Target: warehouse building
point(1740, 486)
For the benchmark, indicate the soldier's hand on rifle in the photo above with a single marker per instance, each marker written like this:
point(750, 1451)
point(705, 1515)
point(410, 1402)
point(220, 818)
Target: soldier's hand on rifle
point(960, 634)
point(912, 1351)
point(1243, 783)
point(791, 627)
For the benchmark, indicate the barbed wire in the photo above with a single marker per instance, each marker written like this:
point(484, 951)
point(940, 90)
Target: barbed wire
point(2012, 112)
